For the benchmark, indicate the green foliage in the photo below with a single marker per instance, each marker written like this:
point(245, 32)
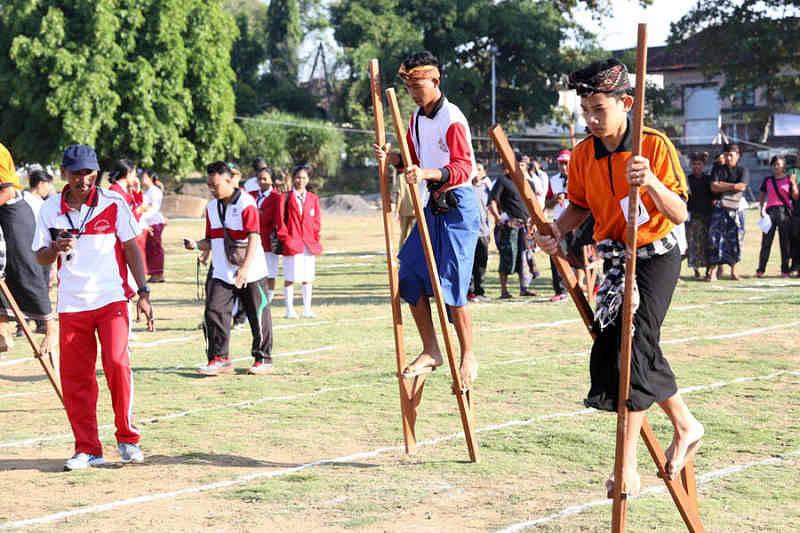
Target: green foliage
point(145, 79)
point(753, 43)
point(528, 36)
point(248, 54)
point(284, 140)
point(285, 35)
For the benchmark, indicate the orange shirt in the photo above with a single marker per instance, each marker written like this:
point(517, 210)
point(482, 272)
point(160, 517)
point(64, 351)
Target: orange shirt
point(597, 182)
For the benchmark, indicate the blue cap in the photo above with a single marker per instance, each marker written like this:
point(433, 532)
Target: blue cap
point(79, 157)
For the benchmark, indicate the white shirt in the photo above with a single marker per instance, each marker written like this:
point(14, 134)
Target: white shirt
point(95, 273)
point(153, 197)
point(34, 201)
point(251, 184)
point(539, 182)
point(262, 196)
point(558, 184)
point(241, 219)
point(429, 141)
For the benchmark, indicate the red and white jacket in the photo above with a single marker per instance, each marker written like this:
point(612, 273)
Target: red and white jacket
point(241, 219)
point(302, 223)
point(268, 205)
point(95, 274)
point(442, 140)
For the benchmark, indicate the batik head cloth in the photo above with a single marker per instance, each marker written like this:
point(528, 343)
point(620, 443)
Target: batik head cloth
point(609, 76)
point(422, 72)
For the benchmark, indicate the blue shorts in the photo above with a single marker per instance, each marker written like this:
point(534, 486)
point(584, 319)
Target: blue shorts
point(454, 236)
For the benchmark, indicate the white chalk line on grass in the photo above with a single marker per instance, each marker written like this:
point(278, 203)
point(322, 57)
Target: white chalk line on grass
point(358, 456)
point(172, 340)
point(684, 340)
point(702, 479)
point(106, 428)
point(25, 443)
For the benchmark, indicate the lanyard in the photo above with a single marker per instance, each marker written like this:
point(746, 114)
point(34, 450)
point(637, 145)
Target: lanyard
point(79, 231)
point(222, 207)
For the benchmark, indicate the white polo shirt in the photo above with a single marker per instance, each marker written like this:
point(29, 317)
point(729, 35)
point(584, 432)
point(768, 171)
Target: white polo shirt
point(558, 185)
point(95, 273)
point(153, 197)
point(241, 219)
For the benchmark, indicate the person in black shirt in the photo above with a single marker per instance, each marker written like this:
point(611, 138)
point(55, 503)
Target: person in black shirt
point(728, 183)
point(700, 204)
point(510, 216)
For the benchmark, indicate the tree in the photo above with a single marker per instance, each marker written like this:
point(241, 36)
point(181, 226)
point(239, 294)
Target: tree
point(529, 37)
point(144, 79)
point(753, 43)
point(285, 36)
point(249, 53)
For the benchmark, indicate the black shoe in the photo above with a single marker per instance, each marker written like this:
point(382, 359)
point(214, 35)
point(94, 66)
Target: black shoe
point(506, 296)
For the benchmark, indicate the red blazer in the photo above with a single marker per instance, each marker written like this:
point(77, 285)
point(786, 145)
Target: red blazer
point(299, 229)
point(269, 214)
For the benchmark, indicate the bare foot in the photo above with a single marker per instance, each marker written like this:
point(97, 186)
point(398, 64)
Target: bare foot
point(631, 486)
point(683, 448)
point(425, 363)
point(469, 370)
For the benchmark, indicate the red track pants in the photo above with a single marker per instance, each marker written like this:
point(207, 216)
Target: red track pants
point(78, 347)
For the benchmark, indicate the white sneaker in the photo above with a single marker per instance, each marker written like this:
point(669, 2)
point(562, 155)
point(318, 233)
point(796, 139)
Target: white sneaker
point(290, 313)
point(130, 453)
point(216, 366)
point(260, 368)
point(308, 314)
point(79, 461)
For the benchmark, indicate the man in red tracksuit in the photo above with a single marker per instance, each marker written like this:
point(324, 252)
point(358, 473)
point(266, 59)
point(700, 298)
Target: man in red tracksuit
point(92, 233)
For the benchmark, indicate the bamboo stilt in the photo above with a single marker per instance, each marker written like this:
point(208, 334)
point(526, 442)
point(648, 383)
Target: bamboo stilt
point(465, 406)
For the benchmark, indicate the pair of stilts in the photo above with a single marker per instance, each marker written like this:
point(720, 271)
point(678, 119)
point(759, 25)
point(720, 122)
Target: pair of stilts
point(682, 490)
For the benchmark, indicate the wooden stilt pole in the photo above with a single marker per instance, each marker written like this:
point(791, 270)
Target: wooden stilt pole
point(37, 353)
point(540, 222)
point(465, 406)
point(410, 389)
point(683, 491)
point(626, 342)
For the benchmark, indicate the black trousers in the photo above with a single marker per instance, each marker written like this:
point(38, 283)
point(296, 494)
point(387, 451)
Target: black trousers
point(558, 285)
point(782, 223)
point(219, 304)
point(479, 267)
point(652, 380)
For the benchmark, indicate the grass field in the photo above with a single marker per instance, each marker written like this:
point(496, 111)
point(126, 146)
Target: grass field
point(317, 445)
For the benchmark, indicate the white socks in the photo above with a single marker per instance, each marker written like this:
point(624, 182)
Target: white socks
point(307, 300)
point(288, 295)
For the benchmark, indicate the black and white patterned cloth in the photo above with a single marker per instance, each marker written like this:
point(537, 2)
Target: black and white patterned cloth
point(2, 254)
point(612, 290)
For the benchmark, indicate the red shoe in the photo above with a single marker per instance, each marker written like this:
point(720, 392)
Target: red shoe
point(759, 273)
point(560, 297)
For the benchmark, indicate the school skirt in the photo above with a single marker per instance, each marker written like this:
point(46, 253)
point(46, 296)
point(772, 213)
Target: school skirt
point(652, 379)
point(454, 236)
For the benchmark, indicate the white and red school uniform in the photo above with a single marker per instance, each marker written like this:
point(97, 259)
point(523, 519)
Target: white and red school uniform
point(93, 293)
point(268, 204)
point(241, 219)
point(154, 248)
point(299, 235)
